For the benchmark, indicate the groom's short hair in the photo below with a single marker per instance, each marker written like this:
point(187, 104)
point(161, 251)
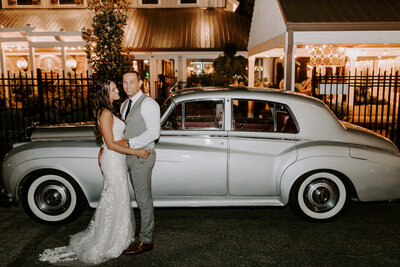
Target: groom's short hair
point(133, 71)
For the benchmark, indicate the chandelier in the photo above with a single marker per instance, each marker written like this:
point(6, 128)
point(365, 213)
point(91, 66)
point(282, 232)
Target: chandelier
point(327, 55)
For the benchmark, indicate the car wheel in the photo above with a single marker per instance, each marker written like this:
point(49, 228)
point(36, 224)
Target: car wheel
point(319, 196)
point(53, 198)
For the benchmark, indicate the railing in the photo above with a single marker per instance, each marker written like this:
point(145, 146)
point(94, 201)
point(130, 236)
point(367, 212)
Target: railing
point(370, 100)
point(48, 98)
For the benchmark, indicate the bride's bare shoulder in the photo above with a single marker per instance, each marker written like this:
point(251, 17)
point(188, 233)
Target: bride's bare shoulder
point(105, 115)
point(105, 112)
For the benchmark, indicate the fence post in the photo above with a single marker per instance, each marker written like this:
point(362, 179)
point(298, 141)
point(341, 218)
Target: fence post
point(40, 92)
point(397, 141)
point(313, 81)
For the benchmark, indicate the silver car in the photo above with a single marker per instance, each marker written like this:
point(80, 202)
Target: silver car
point(218, 147)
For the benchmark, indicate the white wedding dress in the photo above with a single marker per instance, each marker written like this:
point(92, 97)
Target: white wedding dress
point(111, 229)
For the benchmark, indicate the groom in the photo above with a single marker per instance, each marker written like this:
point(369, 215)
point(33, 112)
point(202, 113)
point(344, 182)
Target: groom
point(142, 117)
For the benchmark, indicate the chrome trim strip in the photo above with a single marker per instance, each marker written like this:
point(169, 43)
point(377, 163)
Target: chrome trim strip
point(228, 135)
point(329, 142)
point(265, 138)
point(195, 135)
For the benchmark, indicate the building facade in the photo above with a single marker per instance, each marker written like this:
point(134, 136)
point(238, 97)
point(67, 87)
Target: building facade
point(169, 38)
point(343, 35)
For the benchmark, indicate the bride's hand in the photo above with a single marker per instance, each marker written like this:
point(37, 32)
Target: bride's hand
point(142, 153)
point(122, 142)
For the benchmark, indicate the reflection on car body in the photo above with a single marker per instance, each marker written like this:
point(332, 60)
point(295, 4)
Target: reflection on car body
point(219, 147)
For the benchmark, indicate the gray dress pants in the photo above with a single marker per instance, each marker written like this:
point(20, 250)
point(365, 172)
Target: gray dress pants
point(140, 174)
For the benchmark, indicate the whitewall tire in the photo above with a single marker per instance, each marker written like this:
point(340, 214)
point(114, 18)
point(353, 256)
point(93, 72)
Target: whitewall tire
point(52, 198)
point(319, 196)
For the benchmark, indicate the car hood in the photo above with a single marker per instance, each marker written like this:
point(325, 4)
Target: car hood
point(370, 138)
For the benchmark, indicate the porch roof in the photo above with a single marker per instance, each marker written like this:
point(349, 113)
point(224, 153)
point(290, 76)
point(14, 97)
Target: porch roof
point(341, 14)
point(160, 29)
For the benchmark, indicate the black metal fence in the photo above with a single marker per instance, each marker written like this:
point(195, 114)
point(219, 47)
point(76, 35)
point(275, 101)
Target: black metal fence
point(370, 100)
point(44, 98)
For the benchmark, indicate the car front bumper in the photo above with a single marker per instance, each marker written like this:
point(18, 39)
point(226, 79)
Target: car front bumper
point(6, 200)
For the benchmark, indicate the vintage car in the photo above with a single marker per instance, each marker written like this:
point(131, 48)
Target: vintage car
point(218, 147)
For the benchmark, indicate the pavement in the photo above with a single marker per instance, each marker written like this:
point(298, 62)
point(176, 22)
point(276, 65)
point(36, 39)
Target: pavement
point(366, 235)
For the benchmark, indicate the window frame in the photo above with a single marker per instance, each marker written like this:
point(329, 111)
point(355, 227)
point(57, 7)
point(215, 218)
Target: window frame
point(59, 3)
point(32, 3)
point(149, 4)
point(183, 102)
point(187, 4)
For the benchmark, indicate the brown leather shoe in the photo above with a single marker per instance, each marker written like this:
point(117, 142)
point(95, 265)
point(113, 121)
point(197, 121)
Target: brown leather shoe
point(138, 247)
point(137, 230)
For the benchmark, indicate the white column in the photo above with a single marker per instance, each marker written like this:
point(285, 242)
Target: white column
point(159, 66)
point(153, 76)
point(32, 59)
point(290, 65)
point(250, 69)
point(89, 67)
point(63, 59)
point(2, 60)
point(183, 69)
point(352, 71)
point(176, 68)
point(4, 71)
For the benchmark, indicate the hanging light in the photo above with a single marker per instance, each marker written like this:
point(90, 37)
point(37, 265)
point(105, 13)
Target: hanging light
point(71, 63)
point(327, 55)
point(22, 64)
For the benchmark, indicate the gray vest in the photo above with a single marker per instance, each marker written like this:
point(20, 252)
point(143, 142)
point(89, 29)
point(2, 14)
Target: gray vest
point(135, 124)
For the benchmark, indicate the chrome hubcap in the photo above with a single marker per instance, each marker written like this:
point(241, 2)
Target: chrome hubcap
point(321, 195)
point(52, 197)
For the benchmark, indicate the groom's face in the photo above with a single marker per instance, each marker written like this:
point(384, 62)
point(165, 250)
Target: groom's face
point(131, 84)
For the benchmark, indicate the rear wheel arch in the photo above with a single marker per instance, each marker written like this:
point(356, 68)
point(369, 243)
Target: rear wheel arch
point(312, 164)
point(349, 184)
point(32, 174)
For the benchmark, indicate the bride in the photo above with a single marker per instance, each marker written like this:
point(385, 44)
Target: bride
point(111, 229)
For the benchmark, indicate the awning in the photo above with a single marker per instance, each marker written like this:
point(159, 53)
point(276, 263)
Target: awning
point(173, 29)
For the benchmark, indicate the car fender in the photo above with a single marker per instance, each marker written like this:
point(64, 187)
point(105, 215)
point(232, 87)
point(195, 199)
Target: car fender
point(83, 176)
point(303, 166)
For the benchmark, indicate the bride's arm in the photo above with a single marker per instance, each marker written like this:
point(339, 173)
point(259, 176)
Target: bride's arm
point(106, 124)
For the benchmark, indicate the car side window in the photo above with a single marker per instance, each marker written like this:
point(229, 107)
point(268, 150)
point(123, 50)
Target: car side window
point(208, 114)
point(196, 115)
point(284, 120)
point(261, 116)
point(252, 116)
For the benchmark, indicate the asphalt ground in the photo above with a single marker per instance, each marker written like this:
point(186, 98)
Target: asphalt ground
point(367, 235)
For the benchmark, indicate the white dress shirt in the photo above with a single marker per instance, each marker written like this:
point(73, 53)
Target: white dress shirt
point(150, 111)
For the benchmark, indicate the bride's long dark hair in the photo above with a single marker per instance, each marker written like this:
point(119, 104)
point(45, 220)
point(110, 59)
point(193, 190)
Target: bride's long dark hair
point(101, 102)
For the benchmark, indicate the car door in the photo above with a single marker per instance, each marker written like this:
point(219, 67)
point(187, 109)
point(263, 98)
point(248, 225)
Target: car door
point(262, 143)
point(192, 151)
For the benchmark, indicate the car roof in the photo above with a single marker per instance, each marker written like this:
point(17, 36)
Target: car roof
point(194, 92)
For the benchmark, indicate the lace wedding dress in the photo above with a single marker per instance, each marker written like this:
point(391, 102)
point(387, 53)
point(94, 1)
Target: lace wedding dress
point(110, 230)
